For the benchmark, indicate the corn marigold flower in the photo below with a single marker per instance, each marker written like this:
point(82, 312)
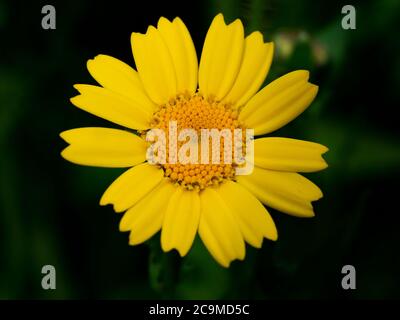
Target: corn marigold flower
point(226, 209)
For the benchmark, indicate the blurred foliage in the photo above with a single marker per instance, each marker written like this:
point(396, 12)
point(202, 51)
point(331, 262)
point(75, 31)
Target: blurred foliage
point(49, 212)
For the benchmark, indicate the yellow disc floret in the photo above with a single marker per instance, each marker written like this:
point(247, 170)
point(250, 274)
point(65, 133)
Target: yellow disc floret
point(196, 112)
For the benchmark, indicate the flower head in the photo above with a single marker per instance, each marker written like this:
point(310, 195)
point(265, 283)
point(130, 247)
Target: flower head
point(171, 93)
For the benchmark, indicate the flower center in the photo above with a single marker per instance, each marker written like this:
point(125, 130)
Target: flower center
point(197, 113)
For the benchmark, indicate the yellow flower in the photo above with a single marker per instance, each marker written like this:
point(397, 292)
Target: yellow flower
point(182, 199)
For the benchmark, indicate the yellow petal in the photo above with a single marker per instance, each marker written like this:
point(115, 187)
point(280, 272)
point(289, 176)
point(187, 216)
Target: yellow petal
point(285, 154)
point(279, 102)
point(254, 220)
point(180, 221)
point(219, 229)
point(145, 218)
point(103, 147)
point(285, 191)
point(183, 53)
point(111, 106)
point(120, 78)
point(132, 186)
point(257, 58)
point(221, 57)
point(154, 64)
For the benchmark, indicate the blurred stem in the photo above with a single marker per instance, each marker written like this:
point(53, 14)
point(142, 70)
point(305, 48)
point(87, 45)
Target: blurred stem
point(229, 8)
point(164, 270)
point(256, 11)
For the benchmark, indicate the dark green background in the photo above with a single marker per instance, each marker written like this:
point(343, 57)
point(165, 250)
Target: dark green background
point(49, 212)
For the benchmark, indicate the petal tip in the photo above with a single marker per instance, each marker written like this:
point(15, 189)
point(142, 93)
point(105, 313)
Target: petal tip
point(271, 47)
point(302, 74)
point(324, 149)
point(63, 135)
point(177, 20)
point(74, 99)
point(122, 227)
point(164, 246)
point(63, 154)
point(237, 23)
point(324, 164)
point(314, 88)
point(133, 241)
point(104, 200)
point(219, 16)
point(135, 36)
point(256, 34)
point(151, 30)
point(80, 87)
point(273, 237)
point(119, 208)
point(182, 252)
point(309, 215)
point(162, 21)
